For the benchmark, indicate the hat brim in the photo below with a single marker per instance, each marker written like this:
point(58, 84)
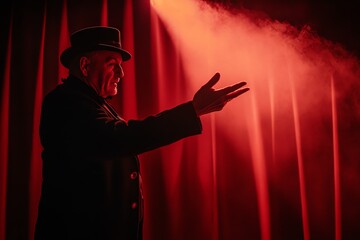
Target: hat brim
point(71, 52)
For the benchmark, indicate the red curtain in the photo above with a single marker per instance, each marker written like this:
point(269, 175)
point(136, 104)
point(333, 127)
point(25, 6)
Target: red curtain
point(288, 174)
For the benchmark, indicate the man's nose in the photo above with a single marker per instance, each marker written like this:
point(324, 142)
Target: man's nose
point(119, 71)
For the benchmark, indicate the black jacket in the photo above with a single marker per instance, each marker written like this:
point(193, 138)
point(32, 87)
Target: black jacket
point(91, 175)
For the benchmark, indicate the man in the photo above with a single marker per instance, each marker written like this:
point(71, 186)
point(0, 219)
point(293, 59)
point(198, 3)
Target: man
point(91, 175)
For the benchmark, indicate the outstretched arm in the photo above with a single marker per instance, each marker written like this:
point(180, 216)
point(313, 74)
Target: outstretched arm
point(207, 99)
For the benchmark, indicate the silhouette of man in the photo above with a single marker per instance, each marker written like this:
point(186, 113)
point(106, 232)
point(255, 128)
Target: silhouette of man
point(91, 175)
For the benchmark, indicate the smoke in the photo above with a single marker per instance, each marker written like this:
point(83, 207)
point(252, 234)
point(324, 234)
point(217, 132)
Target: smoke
point(286, 117)
point(246, 46)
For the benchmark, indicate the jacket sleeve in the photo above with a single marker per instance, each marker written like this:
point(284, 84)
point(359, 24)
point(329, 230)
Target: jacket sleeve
point(138, 136)
point(91, 128)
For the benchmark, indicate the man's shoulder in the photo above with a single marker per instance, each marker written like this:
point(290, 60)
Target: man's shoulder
point(54, 94)
point(58, 93)
point(68, 95)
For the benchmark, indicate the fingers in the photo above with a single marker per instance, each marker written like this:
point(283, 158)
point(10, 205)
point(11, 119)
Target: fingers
point(236, 93)
point(212, 81)
point(231, 89)
point(207, 99)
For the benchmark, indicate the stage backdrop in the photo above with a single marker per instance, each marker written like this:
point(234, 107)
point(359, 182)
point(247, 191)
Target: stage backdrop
point(280, 162)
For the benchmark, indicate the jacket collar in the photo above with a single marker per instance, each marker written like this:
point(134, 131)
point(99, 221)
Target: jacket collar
point(78, 84)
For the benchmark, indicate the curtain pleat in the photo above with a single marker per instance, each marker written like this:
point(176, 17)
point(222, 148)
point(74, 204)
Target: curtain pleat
point(4, 137)
point(35, 178)
point(64, 40)
point(129, 94)
point(104, 13)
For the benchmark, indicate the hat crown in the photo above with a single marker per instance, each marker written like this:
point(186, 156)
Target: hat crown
point(93, 39)
point(94, 36)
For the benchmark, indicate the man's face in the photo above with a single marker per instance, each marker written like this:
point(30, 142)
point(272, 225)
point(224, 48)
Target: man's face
point(104, 72)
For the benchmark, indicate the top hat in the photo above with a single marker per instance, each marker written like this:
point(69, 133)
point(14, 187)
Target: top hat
point(91, 39)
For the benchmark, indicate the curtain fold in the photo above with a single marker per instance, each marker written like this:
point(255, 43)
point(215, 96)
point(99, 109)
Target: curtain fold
point(4, 123)
point(64, 39)
point(35, 161)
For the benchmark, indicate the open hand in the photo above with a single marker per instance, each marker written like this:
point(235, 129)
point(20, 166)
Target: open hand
point(207, 99)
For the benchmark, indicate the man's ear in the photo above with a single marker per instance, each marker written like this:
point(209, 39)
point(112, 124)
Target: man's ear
point(84, 64)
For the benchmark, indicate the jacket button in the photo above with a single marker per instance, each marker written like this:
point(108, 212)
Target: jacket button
point(133, 205)
point(133, 175)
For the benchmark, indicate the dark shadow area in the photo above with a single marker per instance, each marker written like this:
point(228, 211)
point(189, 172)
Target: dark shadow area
point(334, 20)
